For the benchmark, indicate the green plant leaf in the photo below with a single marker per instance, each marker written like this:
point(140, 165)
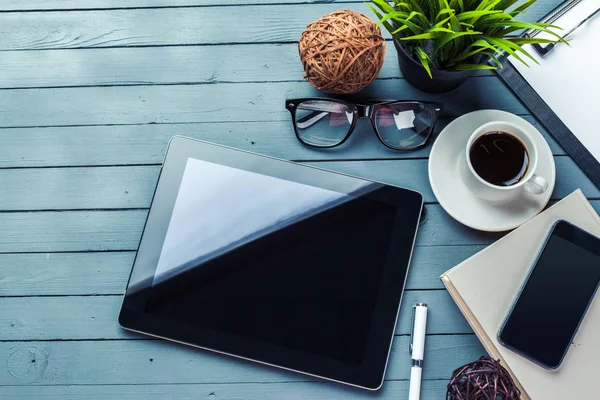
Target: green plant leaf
point(487, 4)
point(493, 57)
point(396, 15)
point(512, 49)
point(475, 14)
point(428, 35)
point(424, 58)
point(439, 29)
point(504, 32)
point(384, 6)
point(522, 25)
point(394, 33)
point(454, 36)
point(468, 54)
point(522, 7)
point(521, 41)
point(387, 25)
point(444, 21)
point(410, 25)
point(503, 47)
point(424, 19)
point(415, 5)
point(400, 3)
point(496, 17)
point(528, 25)
point(479, 45)
point(457, 32)
point(458, 3)
point(457, 42)
point(470, 67)
point(505, 4)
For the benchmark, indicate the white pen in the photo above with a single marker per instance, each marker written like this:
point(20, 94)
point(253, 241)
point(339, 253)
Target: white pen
point(417, 349)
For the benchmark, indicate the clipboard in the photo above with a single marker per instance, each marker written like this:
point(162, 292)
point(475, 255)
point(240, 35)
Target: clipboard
point(549, 104)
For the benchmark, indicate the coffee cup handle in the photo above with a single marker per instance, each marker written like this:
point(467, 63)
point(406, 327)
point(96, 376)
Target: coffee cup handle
point(536, 185)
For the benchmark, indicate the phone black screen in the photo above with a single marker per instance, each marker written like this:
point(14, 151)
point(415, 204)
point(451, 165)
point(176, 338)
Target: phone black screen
point(555, 297)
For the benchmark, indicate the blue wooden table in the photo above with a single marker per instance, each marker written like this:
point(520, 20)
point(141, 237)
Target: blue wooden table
point(90, 93)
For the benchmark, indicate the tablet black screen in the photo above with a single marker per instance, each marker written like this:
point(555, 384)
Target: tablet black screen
point(273, 260)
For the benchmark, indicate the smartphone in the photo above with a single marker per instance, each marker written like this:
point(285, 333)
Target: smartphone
point(555, 296)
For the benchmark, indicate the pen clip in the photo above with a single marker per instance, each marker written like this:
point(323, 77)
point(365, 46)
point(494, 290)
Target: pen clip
point(412, 329)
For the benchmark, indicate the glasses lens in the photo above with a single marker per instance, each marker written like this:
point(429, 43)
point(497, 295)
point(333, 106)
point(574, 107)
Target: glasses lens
point(323, 123)
point(404, 125)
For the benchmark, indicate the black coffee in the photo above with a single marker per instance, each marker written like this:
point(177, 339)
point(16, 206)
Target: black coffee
point(499, 158)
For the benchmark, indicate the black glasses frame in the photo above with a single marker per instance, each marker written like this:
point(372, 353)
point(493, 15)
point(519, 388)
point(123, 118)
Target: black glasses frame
point(368, 110)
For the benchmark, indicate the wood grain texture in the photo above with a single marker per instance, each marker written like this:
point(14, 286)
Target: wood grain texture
point(71, 231)
point(121, 230)
point(200, 105)
point(17, 5)
point(160, 362)
point(162, 65)
point(538, 10)
point(77, 188)
point(155, 26)
point(106, 273)
point(95, 317)
point(440, 229)
point(159, 26)
point(228, 102)
point(133, 187)
point(392, 390)
point(146, 144)
point(66, 273)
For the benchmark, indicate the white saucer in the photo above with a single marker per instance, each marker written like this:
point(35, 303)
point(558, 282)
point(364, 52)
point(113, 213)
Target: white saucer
point(450, 190)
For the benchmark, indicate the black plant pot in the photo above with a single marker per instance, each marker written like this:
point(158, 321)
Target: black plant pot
point(416, 75)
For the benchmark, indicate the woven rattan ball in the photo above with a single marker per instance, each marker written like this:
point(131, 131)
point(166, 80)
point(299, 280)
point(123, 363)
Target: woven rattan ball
point(341, 52)
point(484, 379)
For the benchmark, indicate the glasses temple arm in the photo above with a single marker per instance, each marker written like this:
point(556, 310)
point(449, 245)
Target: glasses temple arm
point(309, 120)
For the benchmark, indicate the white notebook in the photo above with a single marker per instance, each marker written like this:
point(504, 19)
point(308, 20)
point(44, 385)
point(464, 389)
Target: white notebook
point(485, 285)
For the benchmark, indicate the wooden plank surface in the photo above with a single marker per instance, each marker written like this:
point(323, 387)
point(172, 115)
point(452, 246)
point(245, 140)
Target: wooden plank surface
point(162, 65)
point(132, 187)
point(539, 9)
point(228, 102)
point(159, 26)
point(65, 273)
point(392, 390)
point(115, 230)
point(156, 26)
point(55, 5)
point(106, 273)
point(44, 232)
point(95, 317)
point(159, 362)
point(83, 132)
point(153, 26)
point(146, 144)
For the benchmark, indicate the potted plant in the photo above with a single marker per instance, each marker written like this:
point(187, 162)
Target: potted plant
point(440, 43)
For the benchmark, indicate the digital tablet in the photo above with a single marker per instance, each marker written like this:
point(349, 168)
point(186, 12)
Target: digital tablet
point(272, 261)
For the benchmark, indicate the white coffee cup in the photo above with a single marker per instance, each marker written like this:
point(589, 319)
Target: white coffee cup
point(530, 182)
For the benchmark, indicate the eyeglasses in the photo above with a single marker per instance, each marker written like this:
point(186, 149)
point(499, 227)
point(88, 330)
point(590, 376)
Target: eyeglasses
point(400, 125)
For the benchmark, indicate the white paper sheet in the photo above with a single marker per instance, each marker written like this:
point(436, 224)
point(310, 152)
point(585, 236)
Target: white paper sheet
point(568, 78)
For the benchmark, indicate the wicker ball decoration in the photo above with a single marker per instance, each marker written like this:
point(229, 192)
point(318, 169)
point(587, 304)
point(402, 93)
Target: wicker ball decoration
point(484, 379)
point(341, 52)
